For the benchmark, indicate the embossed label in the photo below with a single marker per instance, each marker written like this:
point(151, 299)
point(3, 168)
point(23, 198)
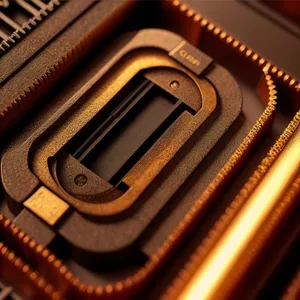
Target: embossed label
point(191, 57)
point(194, 61)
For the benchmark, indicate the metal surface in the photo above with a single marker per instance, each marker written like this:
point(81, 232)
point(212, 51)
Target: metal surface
point(241, 22)
point(63, 51)
point(230, 104)
point(142, 174)
point(39, 149)
point(18, 31)
point(222, 262)
point(262, 52)
point(46, 205)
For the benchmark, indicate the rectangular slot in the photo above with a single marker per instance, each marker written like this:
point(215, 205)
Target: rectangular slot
point(118, 150)
point(112, 146)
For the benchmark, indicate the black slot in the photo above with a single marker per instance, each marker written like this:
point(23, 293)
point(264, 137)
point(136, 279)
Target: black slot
point(174, 114)
point(100, 132)
point(84, 138)
point(111, 147)
point(129, 132)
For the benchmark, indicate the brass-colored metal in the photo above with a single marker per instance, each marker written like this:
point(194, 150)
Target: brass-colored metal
point(267, 90)
point(46, 205)
point(255, 57)
point(128, 287)
point(21, 31)
point(277, 218)
point(154, 161)
point(210, 278)
point(33, 284)
point(165, 249)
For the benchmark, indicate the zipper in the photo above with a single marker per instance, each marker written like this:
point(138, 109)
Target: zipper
point(71, 287)
point(234, 43)
point(16, 108)
point(227, 217)
point(18, 34)
point(13, 268)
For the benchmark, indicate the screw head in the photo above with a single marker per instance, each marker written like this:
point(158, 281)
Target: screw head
point(80, 180)
point(174, 85)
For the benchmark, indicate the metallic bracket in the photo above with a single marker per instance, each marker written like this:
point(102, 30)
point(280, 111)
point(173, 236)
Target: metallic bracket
point(47, 205)
point(153, 162)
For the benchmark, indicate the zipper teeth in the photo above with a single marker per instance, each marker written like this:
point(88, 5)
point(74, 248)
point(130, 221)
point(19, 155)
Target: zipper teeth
point(129, 285)
point(39, 84)
point(17, 264)
point(134, 283)
point(28, 26)
point(51, 74)
point(16, 105)
point(231, 211)
point(244, 50)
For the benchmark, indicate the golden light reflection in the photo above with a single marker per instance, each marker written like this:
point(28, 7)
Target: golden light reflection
point(211, 276)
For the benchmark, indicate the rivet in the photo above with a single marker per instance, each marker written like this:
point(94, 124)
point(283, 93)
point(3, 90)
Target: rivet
point(174, 85)
point(80, 180)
